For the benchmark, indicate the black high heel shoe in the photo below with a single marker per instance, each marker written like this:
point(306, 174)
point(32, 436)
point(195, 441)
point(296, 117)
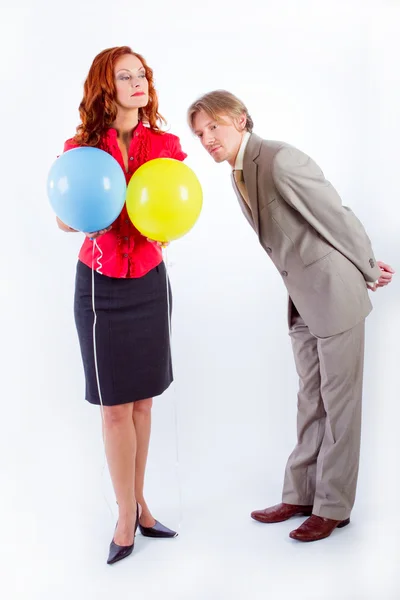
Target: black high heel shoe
point(116, 552)
point(157, 531)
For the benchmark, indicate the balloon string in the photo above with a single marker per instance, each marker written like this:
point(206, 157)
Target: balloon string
point(98, 260)
point(98, 270)
point(175, 407)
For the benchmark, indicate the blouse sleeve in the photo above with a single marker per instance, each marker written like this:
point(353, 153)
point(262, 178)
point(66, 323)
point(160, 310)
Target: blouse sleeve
point(175, 148)
point(70, 144)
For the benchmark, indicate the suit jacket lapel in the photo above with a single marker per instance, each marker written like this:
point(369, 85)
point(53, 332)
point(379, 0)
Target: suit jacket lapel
point(250, 174)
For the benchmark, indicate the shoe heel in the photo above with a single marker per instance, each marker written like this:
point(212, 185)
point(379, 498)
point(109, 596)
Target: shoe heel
point(343, 523)
point(137, 517)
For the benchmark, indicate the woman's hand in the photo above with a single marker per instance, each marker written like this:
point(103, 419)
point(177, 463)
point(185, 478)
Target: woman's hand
point(95, 234)
point(64, 227)
point(160, 244)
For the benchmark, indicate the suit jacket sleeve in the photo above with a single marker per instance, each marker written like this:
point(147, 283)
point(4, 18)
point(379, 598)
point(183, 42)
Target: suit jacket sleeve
point(302, 184)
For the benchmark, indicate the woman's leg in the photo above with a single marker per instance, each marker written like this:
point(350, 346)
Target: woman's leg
point(120, 446)
point(142, 424)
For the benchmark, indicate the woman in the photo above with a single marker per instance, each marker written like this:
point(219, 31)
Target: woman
point(119, 114)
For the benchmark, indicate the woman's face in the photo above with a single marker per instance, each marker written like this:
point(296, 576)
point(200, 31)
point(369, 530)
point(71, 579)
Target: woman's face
point(131, 82)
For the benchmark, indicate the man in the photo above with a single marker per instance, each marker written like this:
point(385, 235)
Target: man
point(326, 262)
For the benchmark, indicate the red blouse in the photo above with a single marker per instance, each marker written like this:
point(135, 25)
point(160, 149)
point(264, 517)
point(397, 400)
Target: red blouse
point(126, 252)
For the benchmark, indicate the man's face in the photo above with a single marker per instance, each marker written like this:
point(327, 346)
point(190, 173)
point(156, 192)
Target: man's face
point(222, 137)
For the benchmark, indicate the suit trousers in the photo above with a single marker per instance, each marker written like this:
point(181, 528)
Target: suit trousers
point(322, 470)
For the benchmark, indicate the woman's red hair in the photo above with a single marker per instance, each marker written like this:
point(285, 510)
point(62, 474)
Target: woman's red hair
point(98, 108)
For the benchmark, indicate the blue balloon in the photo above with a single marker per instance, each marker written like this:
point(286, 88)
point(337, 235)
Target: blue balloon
point(86, 188)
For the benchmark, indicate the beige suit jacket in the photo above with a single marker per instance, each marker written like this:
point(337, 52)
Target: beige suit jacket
point(318, 245)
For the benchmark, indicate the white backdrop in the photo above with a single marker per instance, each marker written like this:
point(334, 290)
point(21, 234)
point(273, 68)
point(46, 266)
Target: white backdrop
point(320, 75)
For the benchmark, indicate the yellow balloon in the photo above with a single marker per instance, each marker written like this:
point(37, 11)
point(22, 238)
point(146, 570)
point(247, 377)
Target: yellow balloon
point(164, 199)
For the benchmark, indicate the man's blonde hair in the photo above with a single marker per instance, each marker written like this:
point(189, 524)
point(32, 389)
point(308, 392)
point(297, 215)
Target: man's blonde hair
point(217, 104)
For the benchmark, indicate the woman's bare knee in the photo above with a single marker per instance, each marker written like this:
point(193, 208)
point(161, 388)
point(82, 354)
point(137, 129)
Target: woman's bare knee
point(143, 406)
point(117, 415)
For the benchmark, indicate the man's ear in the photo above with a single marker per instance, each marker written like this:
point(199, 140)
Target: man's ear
point(240, 122)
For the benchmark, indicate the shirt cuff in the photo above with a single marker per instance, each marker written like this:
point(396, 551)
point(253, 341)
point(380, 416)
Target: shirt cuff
point(371, 285)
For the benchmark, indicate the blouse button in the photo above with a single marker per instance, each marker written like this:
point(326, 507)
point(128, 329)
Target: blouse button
point(131, 158)
point(126, 238)
point(125, 256)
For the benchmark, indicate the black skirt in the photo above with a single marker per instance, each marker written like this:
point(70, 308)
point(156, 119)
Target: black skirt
point(132, 335)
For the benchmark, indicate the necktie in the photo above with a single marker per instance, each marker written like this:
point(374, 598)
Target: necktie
point(239, 180)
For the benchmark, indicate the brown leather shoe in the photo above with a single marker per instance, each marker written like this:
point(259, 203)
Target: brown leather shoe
point(281, 512)
point(316, 528)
